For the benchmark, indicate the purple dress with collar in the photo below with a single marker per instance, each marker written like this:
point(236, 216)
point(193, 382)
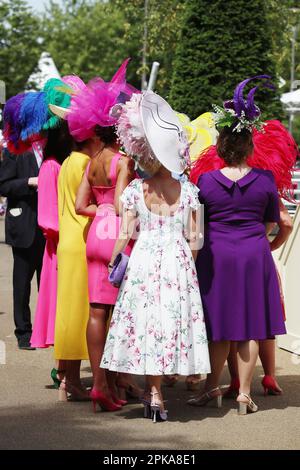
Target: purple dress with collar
point(236, 272)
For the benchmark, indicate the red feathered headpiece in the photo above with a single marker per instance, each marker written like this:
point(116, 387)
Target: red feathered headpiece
point(274, 149)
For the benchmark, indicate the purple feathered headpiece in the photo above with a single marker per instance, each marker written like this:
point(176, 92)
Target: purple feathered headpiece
point(240, 111)
point(11, 117)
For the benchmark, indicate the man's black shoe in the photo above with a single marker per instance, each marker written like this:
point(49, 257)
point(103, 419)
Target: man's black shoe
point(24, 343)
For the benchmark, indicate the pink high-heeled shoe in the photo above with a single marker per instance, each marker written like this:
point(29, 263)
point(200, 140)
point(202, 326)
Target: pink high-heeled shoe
point(117, 400)
point(105, 403)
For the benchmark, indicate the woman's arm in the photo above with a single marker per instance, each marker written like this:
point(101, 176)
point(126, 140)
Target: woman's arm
point(83, 205)
point(125, 176)
point(129, 219)
point(196, 231)
point(285, 225)
point(269, 227)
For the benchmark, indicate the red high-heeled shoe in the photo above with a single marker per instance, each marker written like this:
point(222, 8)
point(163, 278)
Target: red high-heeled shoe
point(117, 400)
point(105, 403)
point(233, 389)
point(270, 386)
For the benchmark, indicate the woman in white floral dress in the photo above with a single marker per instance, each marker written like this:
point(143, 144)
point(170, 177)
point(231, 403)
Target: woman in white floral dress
point(157, 327)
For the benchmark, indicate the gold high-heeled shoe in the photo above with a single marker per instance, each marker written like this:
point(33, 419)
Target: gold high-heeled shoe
point(244, 407)
point(206, 397)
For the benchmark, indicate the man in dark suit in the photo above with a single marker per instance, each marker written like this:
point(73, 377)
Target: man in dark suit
point(18, 182)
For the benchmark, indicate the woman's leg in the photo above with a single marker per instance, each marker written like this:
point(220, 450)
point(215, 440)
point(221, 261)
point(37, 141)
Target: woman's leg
point(71, 383)
point(192, 382)
point(232, 361)
point(170, 380)
point(218, 353)
point(267, 357)
point(61, 368)
point(127, 385)
point(247, 357)
point(96, 335)
point(73, 373)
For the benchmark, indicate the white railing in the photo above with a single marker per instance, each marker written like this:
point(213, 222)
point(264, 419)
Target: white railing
point(290, 206)
point(287, 260)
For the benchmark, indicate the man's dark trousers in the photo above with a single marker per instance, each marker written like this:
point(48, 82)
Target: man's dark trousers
point(22, 234)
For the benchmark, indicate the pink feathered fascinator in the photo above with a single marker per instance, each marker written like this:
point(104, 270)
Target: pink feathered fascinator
point(92, 104)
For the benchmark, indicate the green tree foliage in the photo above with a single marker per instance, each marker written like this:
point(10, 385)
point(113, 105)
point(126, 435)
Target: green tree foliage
point(87, 38)
point(221, 44)
point(283, 16)
point(163, 24)
point(19, 44)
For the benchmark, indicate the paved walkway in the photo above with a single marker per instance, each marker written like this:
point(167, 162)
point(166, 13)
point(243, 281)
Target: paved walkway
point(31, 418)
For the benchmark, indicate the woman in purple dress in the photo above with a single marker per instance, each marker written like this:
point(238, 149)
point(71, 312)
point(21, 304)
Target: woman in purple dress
point(237, 275)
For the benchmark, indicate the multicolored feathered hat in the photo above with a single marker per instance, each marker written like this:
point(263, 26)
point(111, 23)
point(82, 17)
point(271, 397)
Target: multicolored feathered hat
point(239, 113)
point(91, 105)
point(12, 126)
point(27, 115)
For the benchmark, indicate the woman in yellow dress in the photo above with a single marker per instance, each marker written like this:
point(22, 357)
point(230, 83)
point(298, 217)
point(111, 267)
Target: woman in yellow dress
point(72, 311)
point(72, 290)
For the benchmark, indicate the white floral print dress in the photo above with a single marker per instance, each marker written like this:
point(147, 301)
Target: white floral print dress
point(157, 325)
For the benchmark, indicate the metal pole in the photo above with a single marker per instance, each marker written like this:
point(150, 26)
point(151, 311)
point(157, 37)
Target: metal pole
point(153, 75)
point(291, 119)
point(293, 58)
point(294, 36)
point(144, 59)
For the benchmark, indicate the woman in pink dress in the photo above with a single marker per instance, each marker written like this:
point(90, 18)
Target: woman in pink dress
point(106, 177)
point(58, 147)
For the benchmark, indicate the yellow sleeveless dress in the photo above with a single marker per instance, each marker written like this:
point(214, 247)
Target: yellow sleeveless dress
point(72, 310)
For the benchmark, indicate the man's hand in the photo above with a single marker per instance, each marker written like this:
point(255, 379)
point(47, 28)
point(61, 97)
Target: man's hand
point(33, 182)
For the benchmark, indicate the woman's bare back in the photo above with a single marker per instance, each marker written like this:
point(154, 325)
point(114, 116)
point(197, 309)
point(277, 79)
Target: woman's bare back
point(99, 171)
point(162, 195)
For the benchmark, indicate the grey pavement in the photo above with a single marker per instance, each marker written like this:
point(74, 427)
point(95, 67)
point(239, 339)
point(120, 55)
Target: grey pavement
point(31, 417)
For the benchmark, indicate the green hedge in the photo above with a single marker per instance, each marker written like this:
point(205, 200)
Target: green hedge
point(222, 43)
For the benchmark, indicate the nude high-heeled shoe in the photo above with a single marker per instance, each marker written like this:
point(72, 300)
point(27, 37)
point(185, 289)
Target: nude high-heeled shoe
point(246, 406)
point(213, 396)
point(157, 413)
point(62, 391)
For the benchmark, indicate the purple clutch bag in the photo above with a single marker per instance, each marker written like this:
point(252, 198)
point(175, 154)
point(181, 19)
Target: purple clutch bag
point(119, 269)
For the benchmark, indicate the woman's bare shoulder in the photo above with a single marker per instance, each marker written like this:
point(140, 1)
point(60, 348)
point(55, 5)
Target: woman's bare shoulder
point(126, 163)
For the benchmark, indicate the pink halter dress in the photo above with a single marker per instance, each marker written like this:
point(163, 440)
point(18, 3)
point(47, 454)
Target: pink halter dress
point(101, 239)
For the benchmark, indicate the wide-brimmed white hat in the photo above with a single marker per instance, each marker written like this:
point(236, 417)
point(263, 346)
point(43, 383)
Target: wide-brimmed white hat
point(149, 128)
point(164, 132)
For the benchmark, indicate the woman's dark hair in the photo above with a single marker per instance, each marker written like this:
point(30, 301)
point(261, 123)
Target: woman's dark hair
point(59, 143)
point(234, 147)
point(107, 135)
